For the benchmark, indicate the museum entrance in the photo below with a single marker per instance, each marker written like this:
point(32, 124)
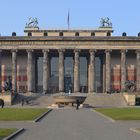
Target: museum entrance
point(69, 73)
point(53, 82)
point(83, 73)
point(39, 74)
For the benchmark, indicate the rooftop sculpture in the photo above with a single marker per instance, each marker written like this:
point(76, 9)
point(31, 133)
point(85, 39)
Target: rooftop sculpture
point(130, 86)
point(105, 22)
point(32, 23)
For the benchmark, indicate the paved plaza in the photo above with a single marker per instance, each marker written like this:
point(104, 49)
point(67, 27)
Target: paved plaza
point(72, 124)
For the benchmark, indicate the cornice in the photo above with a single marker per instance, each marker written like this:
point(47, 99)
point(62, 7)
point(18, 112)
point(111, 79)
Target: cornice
point(58, 38)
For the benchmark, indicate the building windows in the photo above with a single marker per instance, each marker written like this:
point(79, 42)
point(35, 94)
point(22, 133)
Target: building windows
point(45, 34)
point(108, 34)
point(13, 34)
point(83, 74)
point(54, 79)
point(61, 34)
point(124, 34)
point(77, 34)
point(69, 73)
point(92, 33)
point(139, 34)
point(29, 34)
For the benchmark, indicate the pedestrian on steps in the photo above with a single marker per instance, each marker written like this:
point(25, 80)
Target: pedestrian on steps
point(77, 104)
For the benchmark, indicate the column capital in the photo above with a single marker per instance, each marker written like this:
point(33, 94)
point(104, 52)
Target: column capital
point(45, 50)
point(137, 51)
point(76, 50)
point(61, 50)
point(91, 51)
point(124, 51)
point(14, 50)
point(108, 51)
point(29, 50)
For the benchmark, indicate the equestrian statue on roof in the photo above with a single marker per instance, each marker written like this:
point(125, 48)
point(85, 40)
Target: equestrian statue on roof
point(32, 23)
point(105, 22)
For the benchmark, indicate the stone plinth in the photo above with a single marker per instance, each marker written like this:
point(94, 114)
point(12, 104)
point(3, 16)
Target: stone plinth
point(8, 99)
point(130, 99)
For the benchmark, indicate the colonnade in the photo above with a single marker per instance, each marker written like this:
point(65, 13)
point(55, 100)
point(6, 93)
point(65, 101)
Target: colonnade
point(91, 70)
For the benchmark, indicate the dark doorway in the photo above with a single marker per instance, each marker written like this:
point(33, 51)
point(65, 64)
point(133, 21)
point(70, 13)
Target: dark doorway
point(68, 84)
point(54, 79)
point(39, 74)
point(83, 73)
point(68, 78)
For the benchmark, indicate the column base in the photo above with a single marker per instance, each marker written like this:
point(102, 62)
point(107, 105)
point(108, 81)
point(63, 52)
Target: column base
point(76, 91)
point(61, 91)
point(92, 92)
point(30, 92)
point(44, 92)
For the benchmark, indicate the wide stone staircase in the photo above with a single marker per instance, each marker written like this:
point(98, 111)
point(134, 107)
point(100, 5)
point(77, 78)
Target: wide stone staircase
point(105, 100)
point(93, 100)
point(34, 99)
point(45, 100)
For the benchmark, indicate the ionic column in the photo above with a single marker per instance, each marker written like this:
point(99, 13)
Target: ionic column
point(138, 70)
point(76, 72)
point(14, 71)
point(123, 69)
point(108, 70)
point(29, 70)
point(91, 74)
point(45, 71)
point(61, 70)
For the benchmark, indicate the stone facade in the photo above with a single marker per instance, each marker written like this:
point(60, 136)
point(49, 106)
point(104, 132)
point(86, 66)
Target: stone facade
point(108, 61)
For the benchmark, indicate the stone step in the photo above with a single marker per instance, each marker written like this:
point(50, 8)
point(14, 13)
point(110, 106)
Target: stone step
point(34, 99)
point(95, 100)
point(105, 100)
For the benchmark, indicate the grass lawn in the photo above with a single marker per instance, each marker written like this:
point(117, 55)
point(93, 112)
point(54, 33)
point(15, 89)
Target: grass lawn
point(4, 132)
point(121, 113)
point(20, 114)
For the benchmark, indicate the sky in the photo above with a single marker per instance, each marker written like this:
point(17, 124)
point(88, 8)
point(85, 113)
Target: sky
point(124, 14)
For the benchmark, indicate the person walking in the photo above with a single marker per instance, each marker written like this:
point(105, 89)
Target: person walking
point(22, 102)
point(77, 104)
point(2, 103)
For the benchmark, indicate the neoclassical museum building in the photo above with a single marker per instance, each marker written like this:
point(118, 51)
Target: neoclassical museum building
point(79, 60)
